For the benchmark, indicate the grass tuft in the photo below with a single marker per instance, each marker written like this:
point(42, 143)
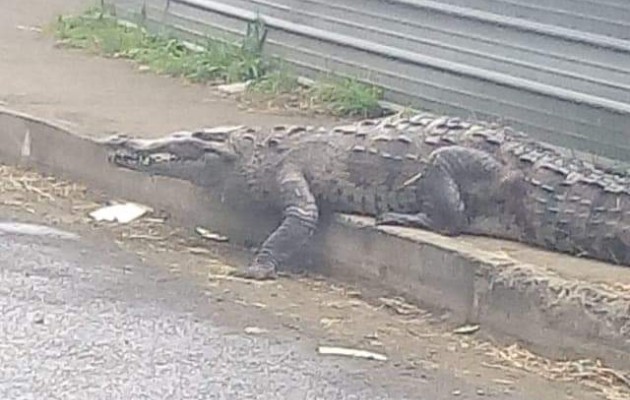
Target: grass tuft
point(349, 97)
point(100, 32)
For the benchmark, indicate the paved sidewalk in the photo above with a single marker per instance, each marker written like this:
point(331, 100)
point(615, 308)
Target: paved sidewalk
point(97, 96)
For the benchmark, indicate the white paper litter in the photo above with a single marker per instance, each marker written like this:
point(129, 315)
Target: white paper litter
point(121, 213)
point(342, 351)
point(254, 330)
point(28, 28)
point(234, 88)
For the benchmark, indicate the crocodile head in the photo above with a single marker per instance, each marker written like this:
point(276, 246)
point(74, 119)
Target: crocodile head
point(202, 157)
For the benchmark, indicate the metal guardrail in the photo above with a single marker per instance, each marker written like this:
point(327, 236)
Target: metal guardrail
point(564, 86)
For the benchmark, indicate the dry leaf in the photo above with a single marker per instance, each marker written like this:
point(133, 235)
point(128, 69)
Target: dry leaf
point(343, 351)
point(466, 329)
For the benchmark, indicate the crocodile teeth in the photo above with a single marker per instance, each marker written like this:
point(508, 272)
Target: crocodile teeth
point(163, 157)
point(145, 160)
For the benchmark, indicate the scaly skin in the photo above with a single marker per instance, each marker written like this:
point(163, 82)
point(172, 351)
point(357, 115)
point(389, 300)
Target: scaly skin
point(437, 173)
point(569, 205)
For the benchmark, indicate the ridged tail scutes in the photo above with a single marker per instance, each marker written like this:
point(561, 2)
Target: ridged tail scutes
point(582, 219)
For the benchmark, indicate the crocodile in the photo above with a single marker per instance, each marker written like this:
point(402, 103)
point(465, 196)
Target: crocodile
point(429, 171)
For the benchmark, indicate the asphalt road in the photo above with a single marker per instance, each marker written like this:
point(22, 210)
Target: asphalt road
point(84, 320)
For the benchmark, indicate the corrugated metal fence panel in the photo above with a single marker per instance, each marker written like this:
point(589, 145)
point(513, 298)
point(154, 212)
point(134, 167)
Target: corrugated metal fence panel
point(604, 17)
point(565, 87)
point(484, 44)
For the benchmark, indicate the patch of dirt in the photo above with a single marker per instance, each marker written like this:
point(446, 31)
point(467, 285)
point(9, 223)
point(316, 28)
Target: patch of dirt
point(301, 102)
point(333, 314)
point(297, 104)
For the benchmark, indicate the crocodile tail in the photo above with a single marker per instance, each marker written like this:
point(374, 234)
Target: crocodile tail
point(578, 216)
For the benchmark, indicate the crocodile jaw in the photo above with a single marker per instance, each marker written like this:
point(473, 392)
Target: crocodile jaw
point(181, 155)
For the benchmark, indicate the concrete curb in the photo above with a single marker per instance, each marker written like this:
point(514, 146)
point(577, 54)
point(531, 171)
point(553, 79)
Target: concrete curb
point(559, 314)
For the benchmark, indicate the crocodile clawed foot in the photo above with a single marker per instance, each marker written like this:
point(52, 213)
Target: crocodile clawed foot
point(257, 272)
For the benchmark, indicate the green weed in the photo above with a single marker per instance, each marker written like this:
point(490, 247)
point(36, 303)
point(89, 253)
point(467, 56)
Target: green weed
point(349, 97)
point(278, 81)
point(99, 32)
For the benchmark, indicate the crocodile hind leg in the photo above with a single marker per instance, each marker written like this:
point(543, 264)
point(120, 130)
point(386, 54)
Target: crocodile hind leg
point(442, 208)
point(300, 219)
point(442, 205)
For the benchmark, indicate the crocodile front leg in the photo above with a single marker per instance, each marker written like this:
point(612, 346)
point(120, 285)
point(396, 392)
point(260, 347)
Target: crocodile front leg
point(299, 222)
